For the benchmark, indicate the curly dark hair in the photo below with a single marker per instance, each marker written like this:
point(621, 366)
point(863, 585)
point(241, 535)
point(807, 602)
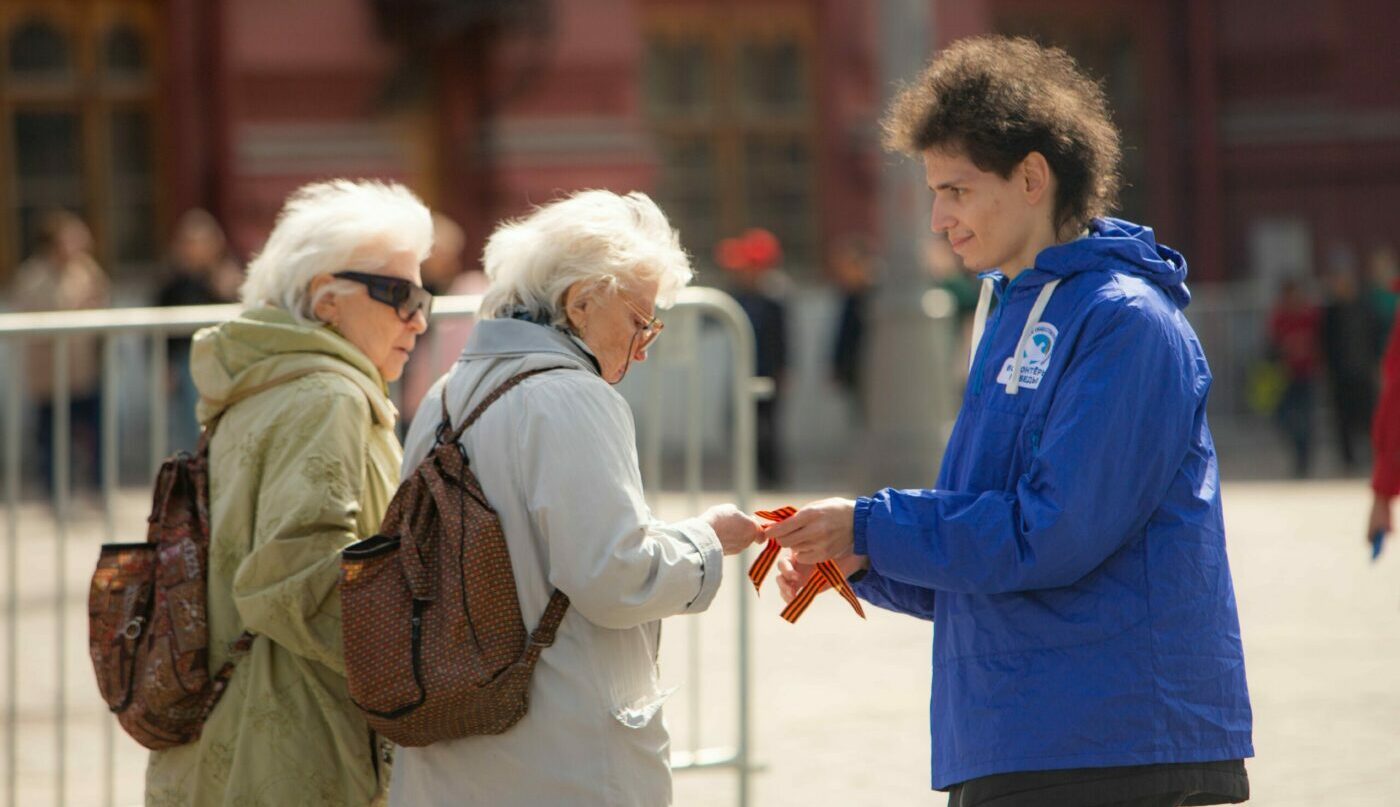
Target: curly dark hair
point(996, 100)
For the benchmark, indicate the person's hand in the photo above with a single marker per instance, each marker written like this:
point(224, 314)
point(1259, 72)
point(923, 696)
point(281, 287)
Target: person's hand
point(736, 529)
point(793, 576)
point(820, 531)
point(1380, 517)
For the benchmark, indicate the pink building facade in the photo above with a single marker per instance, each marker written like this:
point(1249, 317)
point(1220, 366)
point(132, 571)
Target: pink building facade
point(1256, 129)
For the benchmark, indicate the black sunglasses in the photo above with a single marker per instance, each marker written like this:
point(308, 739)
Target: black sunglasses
point(406, 297)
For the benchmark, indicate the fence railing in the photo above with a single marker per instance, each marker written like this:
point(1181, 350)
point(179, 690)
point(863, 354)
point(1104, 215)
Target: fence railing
point(134, 342)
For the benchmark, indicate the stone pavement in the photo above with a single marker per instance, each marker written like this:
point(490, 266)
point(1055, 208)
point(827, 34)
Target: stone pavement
point(840, 705)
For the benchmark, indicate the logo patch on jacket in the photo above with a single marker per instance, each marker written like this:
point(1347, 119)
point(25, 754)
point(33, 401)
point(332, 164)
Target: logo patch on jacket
point(1035, 357)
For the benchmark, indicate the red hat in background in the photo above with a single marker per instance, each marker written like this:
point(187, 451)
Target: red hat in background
point(757, 250)
point(729, 254)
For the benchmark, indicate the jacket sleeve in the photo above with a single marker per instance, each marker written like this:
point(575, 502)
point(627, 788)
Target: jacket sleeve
point(1385, 428)
point(307, 507)
point(583, 490)
point(892, 595)
point(1113, 439)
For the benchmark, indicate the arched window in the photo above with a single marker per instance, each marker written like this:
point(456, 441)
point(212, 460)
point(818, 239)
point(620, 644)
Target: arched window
point(38, 50)
point(124, 53)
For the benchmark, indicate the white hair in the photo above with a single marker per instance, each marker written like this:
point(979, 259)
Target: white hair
point(592, 236)
point(328, 227)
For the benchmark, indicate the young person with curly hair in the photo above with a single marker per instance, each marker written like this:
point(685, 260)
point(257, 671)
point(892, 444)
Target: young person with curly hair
point(1072, 553)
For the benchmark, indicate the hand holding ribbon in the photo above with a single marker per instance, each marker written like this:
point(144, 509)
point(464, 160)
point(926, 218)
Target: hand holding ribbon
point(823, 530)
point(825, 575)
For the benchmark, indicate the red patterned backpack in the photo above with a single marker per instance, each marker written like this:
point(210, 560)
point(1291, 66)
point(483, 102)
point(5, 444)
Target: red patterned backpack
point(148, 621)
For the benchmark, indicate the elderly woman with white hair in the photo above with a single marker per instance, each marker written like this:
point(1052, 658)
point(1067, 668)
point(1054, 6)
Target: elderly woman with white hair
point(574, 288)
point(303, 460)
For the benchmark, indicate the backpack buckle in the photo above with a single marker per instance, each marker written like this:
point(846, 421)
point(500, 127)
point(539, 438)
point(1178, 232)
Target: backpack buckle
point(444, 430)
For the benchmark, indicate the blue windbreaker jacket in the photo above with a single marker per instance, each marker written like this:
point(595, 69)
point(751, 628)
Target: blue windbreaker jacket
point(1072, 556)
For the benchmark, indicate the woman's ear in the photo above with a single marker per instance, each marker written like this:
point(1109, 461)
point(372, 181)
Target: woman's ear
point(327, 307)
point(577, 305)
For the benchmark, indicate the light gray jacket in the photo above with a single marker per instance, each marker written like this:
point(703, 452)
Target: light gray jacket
point(557, 459)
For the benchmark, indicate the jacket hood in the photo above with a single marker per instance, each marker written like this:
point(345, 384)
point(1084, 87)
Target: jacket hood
point(503, 338)
point(1112, 245)
point(263, 344)
point(1120, 246)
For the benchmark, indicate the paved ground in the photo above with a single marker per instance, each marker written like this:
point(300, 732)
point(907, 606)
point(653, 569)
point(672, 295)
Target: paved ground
point(840, 705)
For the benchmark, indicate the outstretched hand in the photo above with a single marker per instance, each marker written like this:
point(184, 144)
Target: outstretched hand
point(735, 529)
point(822, 530)
point(1380, 517)
point(793, 576)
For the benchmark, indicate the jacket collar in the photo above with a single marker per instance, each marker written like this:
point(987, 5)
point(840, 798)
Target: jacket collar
point(499, 338)
point(264, 344)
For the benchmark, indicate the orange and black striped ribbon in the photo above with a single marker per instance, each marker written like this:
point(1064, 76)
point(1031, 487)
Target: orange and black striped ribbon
point(825, 575)
point(760, 568)
point(781, 514)
point(836, 580)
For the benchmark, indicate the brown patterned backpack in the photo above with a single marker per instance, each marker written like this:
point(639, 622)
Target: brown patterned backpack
point(148, 624)
point(435, 646)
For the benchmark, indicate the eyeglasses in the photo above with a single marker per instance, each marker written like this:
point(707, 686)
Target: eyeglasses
point(652, 325)
point(404, 296)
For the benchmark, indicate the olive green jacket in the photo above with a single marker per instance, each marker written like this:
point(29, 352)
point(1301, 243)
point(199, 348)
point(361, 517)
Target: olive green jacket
point(298, 471)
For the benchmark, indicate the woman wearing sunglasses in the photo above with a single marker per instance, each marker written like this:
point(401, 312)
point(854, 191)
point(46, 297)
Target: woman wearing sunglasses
point(303, 462)
point(574, 286)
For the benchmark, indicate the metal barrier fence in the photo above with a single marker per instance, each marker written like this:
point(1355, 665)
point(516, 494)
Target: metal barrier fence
point(149, 329)
point(1232, 323)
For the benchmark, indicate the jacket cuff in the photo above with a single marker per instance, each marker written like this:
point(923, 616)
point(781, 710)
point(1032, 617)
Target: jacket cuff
point(1385, 477)
point(862, 518)
point(702, 536)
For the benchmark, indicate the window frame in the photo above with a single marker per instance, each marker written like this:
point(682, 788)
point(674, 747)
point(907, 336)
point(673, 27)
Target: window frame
point(94, 98)
point(722, 32)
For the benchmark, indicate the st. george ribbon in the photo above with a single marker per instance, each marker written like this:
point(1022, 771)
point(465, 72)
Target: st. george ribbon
point(825, 575)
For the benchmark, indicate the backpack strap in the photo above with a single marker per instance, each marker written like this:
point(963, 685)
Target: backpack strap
point(549, 625)
point(545, 632)
point(218, 682)
point(447, 434)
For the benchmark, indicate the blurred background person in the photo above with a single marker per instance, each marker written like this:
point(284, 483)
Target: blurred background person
point(946, 268)
point(1385, 442)
point(1382, 293)
point(62, 275)
point(443, 274)
point(200, 271)
point(1349, 340)
point(756, 283)
point(1293, 340)
point(852, 275)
